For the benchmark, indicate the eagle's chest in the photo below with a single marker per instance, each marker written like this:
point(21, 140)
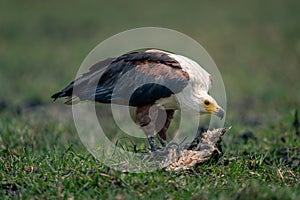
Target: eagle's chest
point(169, 103)
point(188, 99)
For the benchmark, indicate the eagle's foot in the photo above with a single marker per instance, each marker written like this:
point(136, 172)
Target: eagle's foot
point(162, 141)
point(152, 144)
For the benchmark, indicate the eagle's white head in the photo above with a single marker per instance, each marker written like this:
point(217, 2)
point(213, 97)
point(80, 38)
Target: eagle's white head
point(209, 105)
point(195, 96)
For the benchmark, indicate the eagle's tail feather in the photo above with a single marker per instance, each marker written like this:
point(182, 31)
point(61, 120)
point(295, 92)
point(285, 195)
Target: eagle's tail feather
point(58, 95)
point(72, 100)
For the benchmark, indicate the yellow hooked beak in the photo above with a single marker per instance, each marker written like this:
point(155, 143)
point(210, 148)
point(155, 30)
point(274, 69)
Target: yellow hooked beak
point(220, 113)
point(215, 110)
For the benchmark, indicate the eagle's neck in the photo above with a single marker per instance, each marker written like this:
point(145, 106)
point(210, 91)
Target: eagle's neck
point(198, 86)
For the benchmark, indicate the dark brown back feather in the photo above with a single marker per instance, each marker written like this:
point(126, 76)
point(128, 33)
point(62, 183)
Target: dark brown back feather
point(146, 76)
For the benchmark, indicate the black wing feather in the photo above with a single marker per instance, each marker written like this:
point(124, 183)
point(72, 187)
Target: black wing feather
point(137, 79)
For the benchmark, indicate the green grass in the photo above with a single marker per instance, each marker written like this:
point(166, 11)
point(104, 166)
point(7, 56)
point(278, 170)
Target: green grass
point(256, 46)
point(46, 160)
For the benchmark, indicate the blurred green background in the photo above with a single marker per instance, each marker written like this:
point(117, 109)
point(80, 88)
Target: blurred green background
point(255, 44)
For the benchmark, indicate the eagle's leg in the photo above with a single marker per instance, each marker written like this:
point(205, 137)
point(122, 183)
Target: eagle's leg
point(162, 134)
point(145, 118)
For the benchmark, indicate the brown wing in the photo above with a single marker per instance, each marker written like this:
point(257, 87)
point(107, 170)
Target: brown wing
point(136, 79)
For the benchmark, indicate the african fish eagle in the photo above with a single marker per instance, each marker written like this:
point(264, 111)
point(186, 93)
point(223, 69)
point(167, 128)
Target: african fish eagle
point(152, 78)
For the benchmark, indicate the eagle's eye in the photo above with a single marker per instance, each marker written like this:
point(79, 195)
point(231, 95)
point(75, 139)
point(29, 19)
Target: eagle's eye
point(206, 102)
